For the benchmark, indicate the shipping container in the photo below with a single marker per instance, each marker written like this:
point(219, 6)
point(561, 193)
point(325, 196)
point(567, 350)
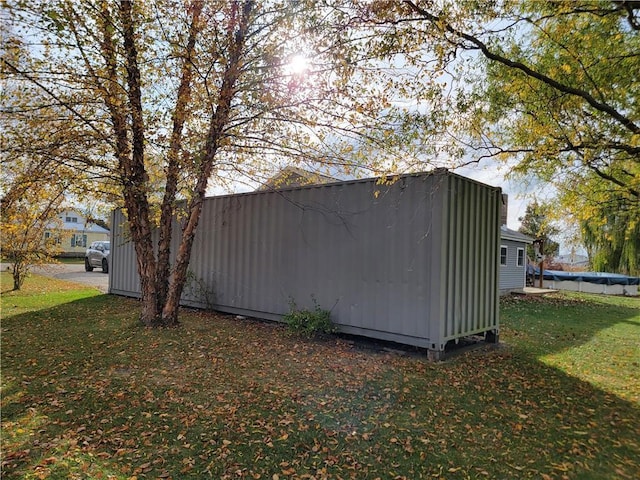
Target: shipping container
point(411, 259)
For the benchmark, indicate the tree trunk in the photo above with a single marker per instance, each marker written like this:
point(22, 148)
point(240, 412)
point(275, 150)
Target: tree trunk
point(18, 275)
point(237, 34)
point(162, 287)
point(135, 176)
point(163, 271)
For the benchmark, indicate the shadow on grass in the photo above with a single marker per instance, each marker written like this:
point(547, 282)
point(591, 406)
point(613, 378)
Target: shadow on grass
point(87, 393)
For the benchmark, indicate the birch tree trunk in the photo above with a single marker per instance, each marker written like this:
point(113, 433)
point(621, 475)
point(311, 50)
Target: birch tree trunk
point(237, 32)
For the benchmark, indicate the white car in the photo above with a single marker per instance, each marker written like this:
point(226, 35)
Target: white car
point(98, 256)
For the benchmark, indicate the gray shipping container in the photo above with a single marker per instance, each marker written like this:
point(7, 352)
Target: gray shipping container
point(414, 261)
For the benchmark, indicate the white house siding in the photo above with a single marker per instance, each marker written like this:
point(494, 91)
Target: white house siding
point(74, 234)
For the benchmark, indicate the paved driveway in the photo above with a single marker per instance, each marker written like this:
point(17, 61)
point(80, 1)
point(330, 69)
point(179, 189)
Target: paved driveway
point(74, 273)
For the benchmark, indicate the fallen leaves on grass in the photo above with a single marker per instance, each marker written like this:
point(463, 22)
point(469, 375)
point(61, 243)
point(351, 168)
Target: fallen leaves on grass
point(223, 398)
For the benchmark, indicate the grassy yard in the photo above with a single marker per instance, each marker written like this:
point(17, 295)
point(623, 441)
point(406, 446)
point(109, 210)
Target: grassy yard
point(86, 393)
point(64, 260)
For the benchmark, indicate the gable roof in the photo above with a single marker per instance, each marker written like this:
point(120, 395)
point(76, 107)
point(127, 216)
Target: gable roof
point(508, 234)
point(88, 227)
point(295, 177)
point(81, 225)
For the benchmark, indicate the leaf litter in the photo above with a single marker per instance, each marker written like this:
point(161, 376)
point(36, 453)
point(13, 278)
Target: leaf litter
point(223, 398)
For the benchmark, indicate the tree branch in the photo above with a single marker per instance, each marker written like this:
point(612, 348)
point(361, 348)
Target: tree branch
point(57, 98)
point(479, 44)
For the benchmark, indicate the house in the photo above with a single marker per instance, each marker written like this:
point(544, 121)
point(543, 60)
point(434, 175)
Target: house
point(513, 259)
point(73, 233)
point(291, 176)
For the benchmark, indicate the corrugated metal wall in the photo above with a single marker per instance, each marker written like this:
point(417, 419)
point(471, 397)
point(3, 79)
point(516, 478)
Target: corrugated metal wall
point(414, 261)
point(469, 276)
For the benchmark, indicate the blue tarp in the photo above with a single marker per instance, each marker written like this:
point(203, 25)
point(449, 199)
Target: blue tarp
point(600, 278)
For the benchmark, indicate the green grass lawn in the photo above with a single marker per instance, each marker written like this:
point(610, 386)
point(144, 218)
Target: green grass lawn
point(87, 393)
point(65, 260)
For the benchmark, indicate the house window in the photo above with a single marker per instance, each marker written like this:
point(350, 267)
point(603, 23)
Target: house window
point(521, 257)
point(503, 255)
point(71, 219)
point(50, 238)
point(78, 240)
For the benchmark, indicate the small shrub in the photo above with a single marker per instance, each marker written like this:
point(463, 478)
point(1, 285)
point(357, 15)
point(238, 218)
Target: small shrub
point(198, 288)
point(309, 322)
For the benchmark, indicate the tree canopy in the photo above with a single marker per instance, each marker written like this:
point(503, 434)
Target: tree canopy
point(572, 116)
point(33, 184)
point(557, 94)
point(156, 98)
point(26, 221)
point(151, 100)
point(548, 87)
point(537, 224)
